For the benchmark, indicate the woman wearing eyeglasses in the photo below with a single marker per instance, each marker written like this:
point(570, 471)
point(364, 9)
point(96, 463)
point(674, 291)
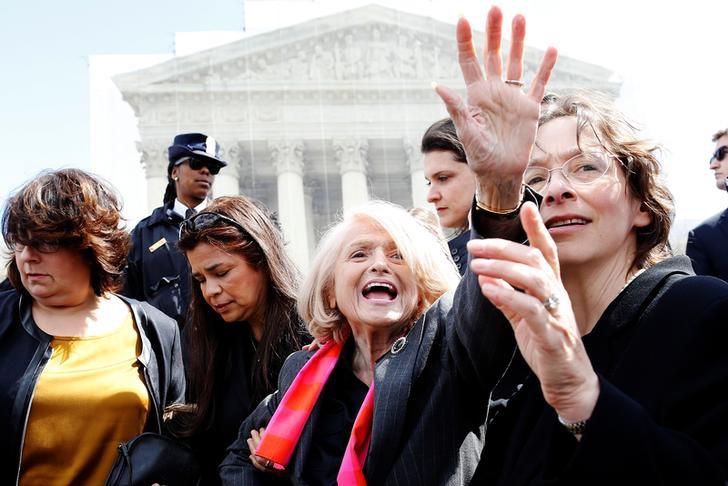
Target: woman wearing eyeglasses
point(243, 321)
point(613, 358)
point(82, 369)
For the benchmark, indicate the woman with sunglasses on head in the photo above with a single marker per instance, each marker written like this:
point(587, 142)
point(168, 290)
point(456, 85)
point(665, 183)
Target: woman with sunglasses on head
point(82, 368)
point(243, 321)
point(612, 352)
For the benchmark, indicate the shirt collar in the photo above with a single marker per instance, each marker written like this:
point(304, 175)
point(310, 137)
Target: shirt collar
point(181, 209)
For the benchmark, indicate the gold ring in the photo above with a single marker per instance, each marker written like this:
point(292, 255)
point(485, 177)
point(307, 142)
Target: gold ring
point(514, 82)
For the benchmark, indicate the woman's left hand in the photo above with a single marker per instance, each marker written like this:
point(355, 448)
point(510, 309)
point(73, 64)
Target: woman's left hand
point(541, 316)
point(259, 463)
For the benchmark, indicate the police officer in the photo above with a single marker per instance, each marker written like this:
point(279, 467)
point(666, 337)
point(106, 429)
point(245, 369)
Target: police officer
point(156, 271)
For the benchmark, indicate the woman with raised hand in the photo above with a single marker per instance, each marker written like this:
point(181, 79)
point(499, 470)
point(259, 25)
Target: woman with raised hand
point(83, 369)
point(620, 368)
point(398, 392)
point(243, 322)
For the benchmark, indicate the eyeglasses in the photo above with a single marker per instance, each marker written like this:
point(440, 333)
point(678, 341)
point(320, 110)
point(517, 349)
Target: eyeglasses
point(719, 154)
point(583, 168)
point(200, 221)
point(197, 164)
point(39, 246)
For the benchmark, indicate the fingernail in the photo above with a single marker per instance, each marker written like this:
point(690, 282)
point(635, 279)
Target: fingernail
point(433, 84)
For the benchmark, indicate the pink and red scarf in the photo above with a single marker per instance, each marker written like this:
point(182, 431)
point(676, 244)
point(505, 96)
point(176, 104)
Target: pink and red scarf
point(285, 427)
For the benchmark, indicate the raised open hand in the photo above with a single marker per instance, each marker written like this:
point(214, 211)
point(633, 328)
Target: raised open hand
point(497, 125)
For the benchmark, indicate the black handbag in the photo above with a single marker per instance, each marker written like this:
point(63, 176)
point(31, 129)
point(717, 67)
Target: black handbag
point(152, 458)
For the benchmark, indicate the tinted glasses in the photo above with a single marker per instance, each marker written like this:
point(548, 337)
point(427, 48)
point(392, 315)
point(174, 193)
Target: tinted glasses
point(197, 164)
point(200, 221)
point(719, 154)
point(41, 246)
point(583, 168)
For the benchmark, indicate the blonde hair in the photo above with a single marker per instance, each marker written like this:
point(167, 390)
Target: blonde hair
point(433, 270)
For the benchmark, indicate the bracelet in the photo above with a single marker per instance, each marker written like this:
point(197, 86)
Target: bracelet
point(575, 428)
point(485, 207)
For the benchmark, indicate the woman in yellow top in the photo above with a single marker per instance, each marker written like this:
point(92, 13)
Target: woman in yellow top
point(82, 368)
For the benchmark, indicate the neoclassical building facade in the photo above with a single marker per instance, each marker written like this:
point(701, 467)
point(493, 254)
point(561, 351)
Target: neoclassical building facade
point(317, 117)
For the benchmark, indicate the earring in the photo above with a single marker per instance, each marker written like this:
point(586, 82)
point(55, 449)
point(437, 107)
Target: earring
point(175, 179)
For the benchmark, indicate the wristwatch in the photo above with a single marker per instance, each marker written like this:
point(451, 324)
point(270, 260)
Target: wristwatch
point(575, 428)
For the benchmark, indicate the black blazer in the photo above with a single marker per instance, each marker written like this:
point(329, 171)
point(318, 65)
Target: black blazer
point(430, 403)
point(708, 246)
point(659, 350)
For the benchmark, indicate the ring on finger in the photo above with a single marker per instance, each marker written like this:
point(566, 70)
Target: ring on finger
point(268, 463)
point(551, 303)
point(514, 82)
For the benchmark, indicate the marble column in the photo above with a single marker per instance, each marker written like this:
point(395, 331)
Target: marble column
point(287, 158)
point(351, 157)
point(227, 182)
point(154, 159)
point(414, 160)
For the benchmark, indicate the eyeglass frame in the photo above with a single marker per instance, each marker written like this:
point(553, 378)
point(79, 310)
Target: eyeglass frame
point(719, 154)
point(197, 164)
point(611, 158)
point(45, 247)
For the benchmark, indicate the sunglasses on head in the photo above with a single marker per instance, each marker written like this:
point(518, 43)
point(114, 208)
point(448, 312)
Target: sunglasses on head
point(200, 221)
point(719, 154)
point(197, 164)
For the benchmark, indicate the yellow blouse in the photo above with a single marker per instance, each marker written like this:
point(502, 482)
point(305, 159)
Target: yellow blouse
point(90, 397)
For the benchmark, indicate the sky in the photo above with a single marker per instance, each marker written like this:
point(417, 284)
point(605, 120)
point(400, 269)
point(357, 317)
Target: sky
point(669, 56)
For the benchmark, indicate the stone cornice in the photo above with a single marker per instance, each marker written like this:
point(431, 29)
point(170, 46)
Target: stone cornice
point(370, 48)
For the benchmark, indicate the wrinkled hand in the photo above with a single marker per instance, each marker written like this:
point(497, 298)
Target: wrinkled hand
point(259, 463)
point(497, 126)
point(549, 339)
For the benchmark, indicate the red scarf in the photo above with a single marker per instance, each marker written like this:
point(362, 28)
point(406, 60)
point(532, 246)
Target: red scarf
point(285, 427)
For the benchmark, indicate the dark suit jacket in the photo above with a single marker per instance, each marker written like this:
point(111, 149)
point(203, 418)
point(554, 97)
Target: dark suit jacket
point(660, 352)
point(430, 401)
point(708, 246)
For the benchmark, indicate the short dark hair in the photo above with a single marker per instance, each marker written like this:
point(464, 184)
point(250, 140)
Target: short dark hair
point(720, 133)
point(77, 209)
point(442, 136)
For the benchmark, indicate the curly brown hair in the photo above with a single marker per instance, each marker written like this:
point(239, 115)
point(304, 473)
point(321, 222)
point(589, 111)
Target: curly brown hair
point(638, 160)
point(76, 210)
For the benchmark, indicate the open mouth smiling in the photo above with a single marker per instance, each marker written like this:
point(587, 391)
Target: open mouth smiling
point(560, 222)
point(380, 291)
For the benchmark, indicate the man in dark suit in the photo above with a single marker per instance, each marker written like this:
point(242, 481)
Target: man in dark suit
point(707, 243)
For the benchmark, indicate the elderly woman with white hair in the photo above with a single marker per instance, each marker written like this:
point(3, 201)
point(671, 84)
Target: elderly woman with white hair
point(395, 392)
